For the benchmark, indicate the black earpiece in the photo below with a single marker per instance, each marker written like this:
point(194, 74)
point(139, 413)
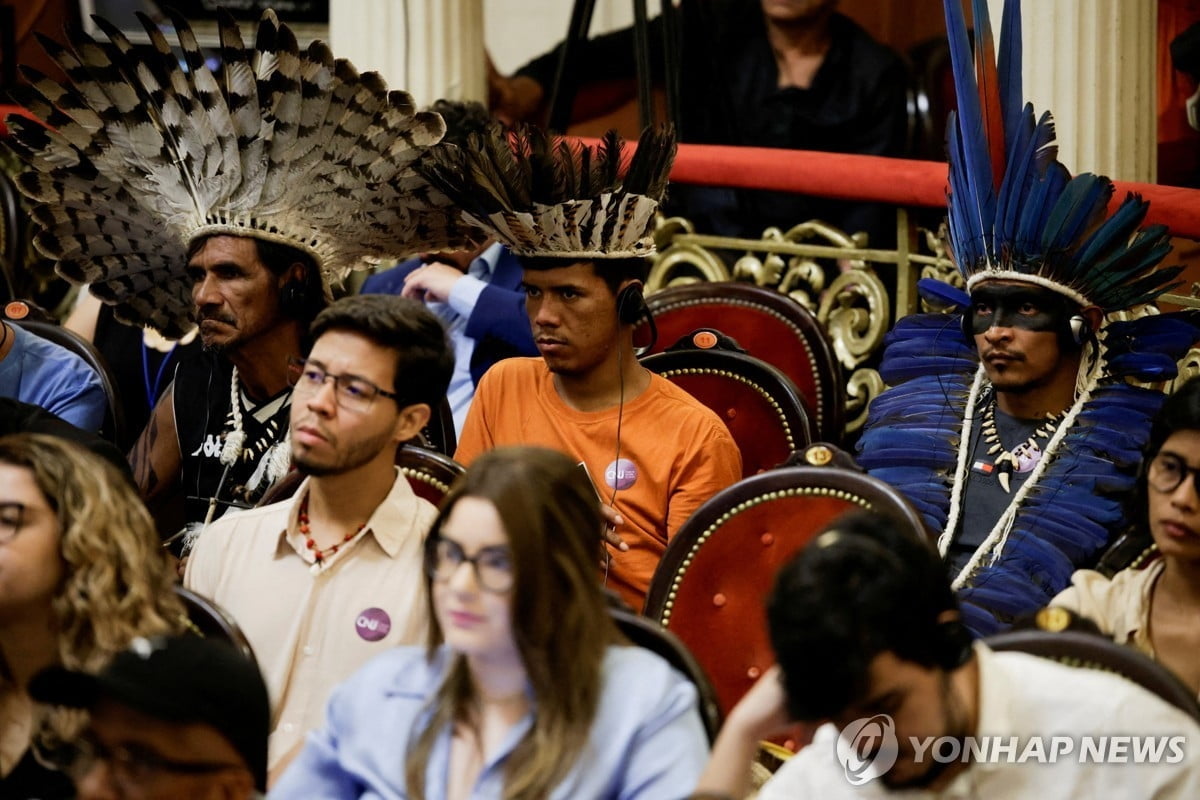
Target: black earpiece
point(631, 306)
point(293, 299)
point(1081, 329)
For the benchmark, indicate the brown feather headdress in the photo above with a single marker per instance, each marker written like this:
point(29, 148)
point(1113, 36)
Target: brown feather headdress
point(548, 196)
point(140, 155)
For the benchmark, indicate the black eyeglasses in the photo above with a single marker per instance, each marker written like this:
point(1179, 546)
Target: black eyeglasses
point(133, 767)
point(1168, 470)
point(352, 392)
point(492, 565)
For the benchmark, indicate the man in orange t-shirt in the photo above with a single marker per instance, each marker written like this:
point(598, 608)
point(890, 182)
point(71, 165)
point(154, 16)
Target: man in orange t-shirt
point(672, 453)
point(582, 225)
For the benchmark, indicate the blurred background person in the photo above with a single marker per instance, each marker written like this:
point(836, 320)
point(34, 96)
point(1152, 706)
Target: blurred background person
point(525, 689)
point(81, 575)
point(1155, 607)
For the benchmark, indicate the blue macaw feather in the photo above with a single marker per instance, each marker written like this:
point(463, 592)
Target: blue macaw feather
point(1009, 67)
point(1042, 197)
point(1143, 366)
point(1172, 334)
point(1114, 233)
point(942, 293)
point(972, 184)
point(1080, 207)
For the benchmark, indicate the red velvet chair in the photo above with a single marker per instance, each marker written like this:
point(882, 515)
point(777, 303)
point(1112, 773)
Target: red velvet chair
point(712, 583)
point(759, 404)
point(771, 327)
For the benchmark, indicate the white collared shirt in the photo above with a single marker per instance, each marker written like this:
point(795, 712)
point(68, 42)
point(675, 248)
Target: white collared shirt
point(455, 313)
point(1023, 695)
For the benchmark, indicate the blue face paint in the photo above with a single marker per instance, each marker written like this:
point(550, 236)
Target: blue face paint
point(1030, 308)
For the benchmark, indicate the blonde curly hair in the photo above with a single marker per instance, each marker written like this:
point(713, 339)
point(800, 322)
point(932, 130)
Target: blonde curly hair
point(117, 583)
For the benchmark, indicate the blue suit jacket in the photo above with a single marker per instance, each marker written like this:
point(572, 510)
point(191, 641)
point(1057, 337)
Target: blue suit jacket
point(499, 324)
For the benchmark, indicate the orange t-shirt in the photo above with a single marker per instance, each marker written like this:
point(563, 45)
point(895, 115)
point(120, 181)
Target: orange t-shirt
point(675, 454)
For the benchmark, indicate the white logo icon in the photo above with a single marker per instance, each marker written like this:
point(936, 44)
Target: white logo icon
point(867, 748)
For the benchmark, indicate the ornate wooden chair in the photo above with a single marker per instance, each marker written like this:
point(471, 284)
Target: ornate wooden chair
point(712, 583)
point(438, 433)
point(771, 327)
point(1078, 649)
point(113, 428)
point(12, 237)
point(211, 621)
point(758, 403)
point(657, 639)
point(429, 473)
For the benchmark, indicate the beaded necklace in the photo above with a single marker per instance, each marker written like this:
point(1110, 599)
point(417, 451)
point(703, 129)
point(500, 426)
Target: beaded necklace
point(319, 555)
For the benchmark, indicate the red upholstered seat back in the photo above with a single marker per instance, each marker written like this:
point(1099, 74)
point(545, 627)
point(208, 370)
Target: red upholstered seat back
point(711, 586)
point(771, 327)
point(761, 407)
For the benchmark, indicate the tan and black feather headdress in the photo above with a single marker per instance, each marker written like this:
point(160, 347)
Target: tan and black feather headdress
point(140, 155)
point(548, 196)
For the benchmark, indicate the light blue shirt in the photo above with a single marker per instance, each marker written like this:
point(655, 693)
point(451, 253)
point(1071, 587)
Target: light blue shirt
point(647, 741)
point(42, 373)
point(454, 313)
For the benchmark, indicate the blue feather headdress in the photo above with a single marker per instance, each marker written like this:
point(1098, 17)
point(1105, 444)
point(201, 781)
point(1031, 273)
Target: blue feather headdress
point(1015, 212)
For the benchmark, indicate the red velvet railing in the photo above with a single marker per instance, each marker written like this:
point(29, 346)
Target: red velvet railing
point(896, 181)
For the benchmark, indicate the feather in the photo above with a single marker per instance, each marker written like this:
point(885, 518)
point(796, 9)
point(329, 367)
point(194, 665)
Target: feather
point(973, 191)
point(546, 196)
point(989, 91)
point(146, 155)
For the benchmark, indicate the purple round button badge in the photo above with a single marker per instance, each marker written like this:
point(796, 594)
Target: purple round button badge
point(620, 474)
point(373, 624)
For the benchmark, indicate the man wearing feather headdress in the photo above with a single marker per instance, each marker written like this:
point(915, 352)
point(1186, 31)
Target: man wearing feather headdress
point(582, 227)
point(1016, 435)
point(232, 198)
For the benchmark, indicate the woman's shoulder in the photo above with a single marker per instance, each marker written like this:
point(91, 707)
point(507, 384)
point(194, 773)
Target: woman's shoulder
point(641, 676)
point(1115, 604)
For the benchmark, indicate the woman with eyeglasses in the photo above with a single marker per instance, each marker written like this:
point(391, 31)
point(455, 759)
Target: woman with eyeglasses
point(81, 575)
point(526, 689)
point(1155, 606)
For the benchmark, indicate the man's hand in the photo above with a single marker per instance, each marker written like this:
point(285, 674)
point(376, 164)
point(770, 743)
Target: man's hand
point(431, 283)
point(760, 714)
point(612, 519)
point(762, 711)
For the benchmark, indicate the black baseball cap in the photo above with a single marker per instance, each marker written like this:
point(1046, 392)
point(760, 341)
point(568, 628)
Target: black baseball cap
point(185, 679)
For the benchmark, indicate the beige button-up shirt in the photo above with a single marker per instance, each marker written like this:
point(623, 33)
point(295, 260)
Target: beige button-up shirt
point(311, 628)
point(1119, 606)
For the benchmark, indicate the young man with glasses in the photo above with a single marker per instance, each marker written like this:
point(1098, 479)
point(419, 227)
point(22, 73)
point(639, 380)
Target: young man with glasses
point(325, 580)
point(169, 717)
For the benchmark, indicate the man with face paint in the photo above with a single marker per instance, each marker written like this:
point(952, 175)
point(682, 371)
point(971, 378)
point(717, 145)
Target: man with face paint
point(1016, 437)
point(1030, 344)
